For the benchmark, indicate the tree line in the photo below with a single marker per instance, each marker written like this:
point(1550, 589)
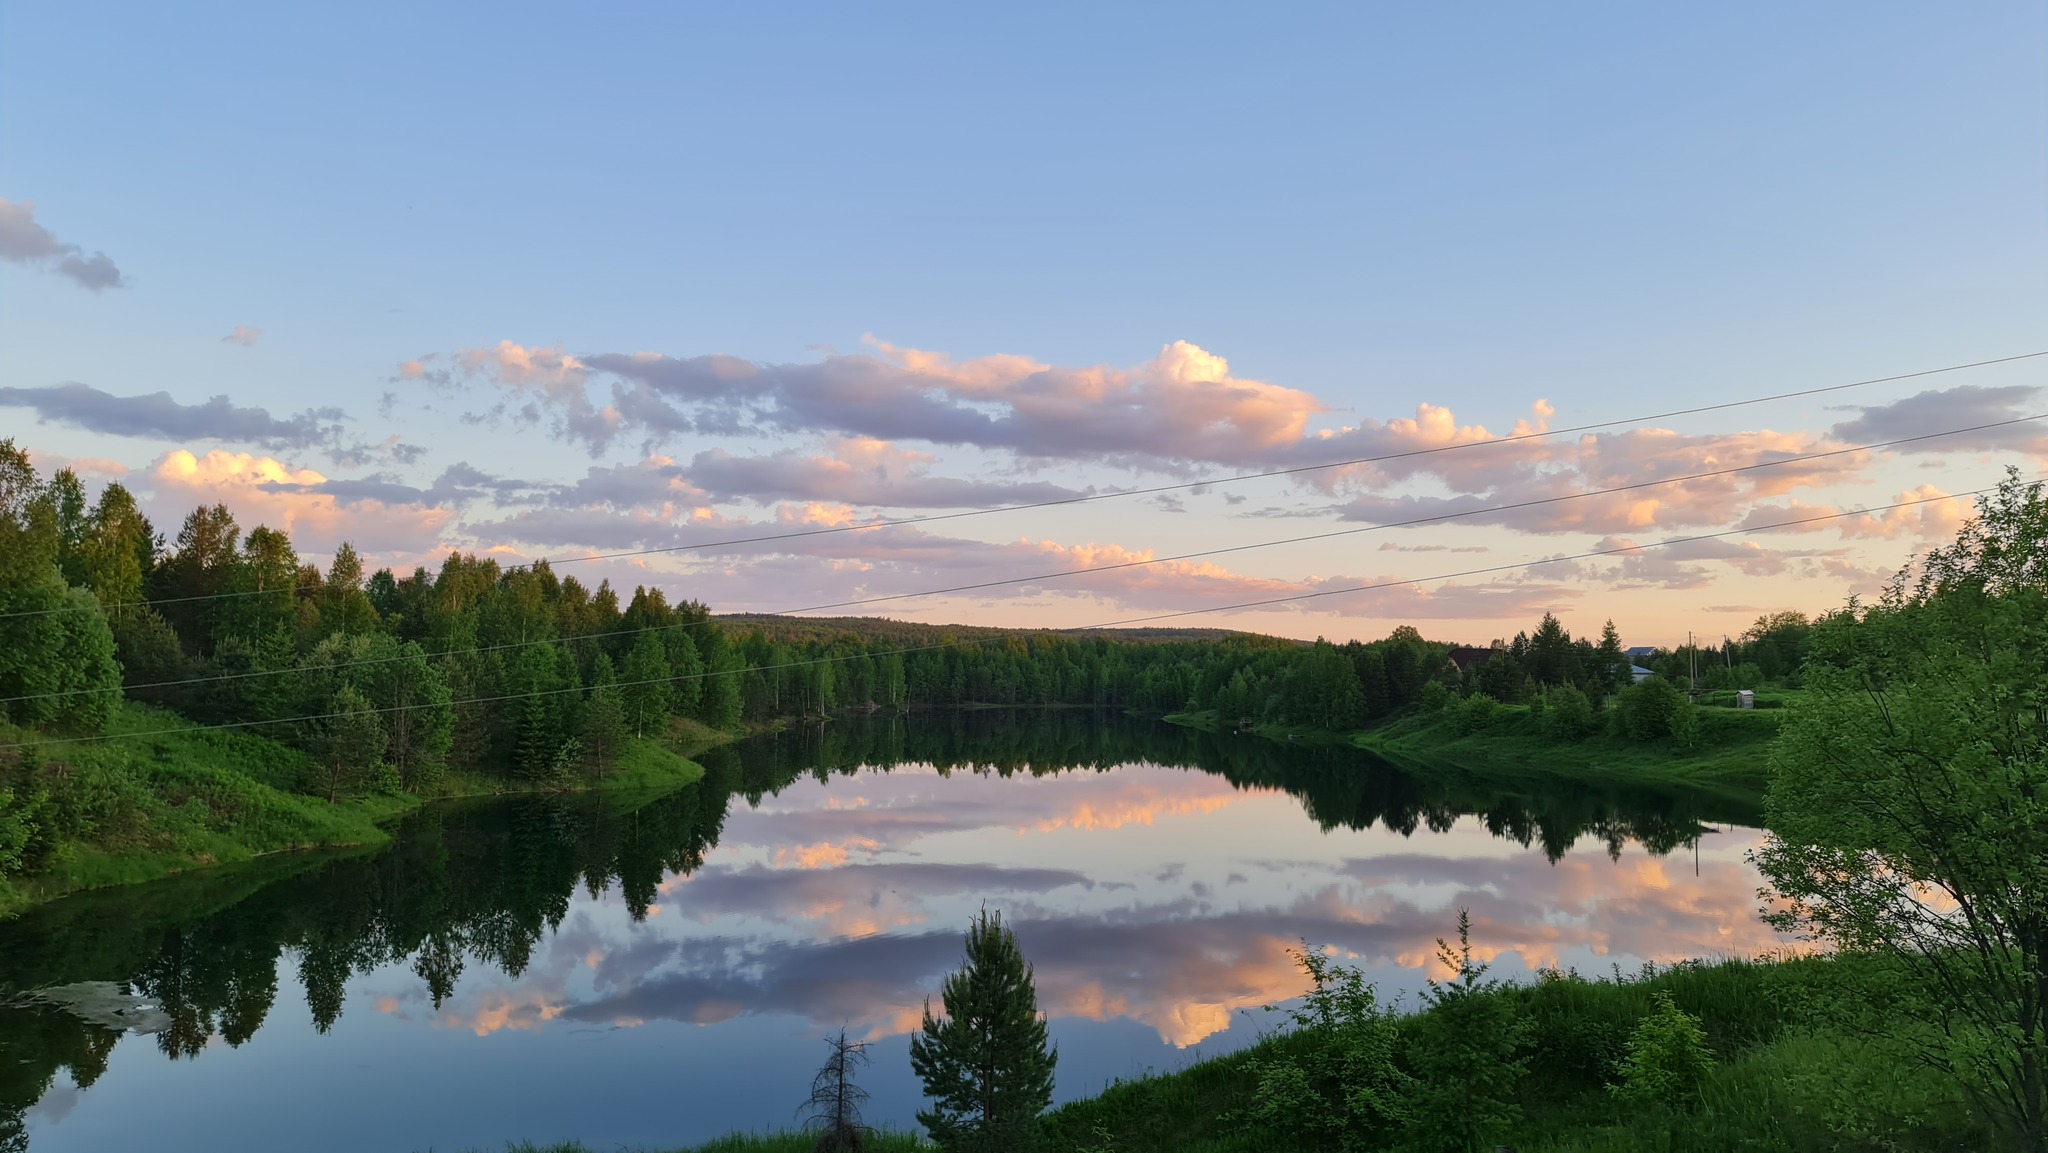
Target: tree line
point(390, 680)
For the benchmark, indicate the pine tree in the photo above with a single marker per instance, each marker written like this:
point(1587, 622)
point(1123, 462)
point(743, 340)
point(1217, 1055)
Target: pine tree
point(986, 1064)
point(645, 685)
point(604, 718)
point(352, 737)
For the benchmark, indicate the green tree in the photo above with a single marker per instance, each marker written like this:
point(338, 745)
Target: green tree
point(604, 718)
point(416, 698)
point(345, 608)
point(644, 682)
point(1463, 1056)
point(118, 552)
point(1338, 1080)
point(1667, 1060)
point(352, 738)
point(986, 1063)
point(1909, 801)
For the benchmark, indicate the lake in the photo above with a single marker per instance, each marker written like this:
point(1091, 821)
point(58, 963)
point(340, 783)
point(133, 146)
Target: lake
point(658, 971)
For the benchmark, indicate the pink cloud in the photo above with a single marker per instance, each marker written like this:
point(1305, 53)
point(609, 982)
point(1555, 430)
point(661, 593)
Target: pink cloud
point(316, 522)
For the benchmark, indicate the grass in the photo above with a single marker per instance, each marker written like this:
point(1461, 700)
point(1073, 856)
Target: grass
point(1729, 757)
point(1730, 751)
point(168, 795)
point(1785, 1077)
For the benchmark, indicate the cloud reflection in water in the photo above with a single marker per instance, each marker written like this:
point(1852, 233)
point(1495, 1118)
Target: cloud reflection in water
point(1165, 896)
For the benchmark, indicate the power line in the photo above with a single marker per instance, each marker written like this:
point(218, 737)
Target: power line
point(1178, 486)
point(1124, 623)
point(1007, 581)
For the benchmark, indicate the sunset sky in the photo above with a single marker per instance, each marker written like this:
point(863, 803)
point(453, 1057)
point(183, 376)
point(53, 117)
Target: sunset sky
point(555, 280)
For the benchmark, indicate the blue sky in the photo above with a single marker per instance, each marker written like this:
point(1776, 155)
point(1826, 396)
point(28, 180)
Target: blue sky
point(1617, 208)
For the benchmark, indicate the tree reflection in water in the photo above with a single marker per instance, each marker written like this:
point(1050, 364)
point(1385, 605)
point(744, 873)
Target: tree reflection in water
point(482, 884)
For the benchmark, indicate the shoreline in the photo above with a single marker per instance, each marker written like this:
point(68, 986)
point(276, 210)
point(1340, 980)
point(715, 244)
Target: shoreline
point(185, 767)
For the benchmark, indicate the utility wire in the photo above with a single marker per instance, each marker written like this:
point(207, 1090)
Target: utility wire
point(1219, 551)
point(1179, 486)
point(1591, 554)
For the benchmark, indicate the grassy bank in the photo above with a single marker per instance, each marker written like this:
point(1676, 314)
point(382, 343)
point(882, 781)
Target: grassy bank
point(1729, 754)
point(1730, 749)
point(166, 795)
point(1799, 1061)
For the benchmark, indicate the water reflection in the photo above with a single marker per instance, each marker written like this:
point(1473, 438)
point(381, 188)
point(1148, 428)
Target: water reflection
point(821, 876)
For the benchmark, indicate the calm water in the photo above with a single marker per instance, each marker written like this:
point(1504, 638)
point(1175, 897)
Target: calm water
point(659, 972)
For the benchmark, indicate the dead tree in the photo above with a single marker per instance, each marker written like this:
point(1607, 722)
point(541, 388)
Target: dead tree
point(833, 1109)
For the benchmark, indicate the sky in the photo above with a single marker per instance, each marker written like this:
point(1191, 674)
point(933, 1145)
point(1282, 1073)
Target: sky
point(555, 281)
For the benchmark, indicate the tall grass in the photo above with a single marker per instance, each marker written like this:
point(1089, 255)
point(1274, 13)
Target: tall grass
point(1786, 1077)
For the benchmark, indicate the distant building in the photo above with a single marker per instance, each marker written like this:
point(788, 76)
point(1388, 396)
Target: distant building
point(1469, 657)
point(1637, 674)
point(1640, 653)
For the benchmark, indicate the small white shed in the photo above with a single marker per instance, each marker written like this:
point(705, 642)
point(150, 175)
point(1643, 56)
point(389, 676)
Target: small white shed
point(1745, 699)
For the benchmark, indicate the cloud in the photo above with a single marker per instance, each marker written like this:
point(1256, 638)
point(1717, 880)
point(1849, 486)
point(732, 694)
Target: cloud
point(1960, 407)
point(458, 484)
point(1181, 410)
point(244, 336)
point(1182, 405)
point(160, 416)
point(264, 490)
point(24, 241)
point(856, 470)
point(1930, 514)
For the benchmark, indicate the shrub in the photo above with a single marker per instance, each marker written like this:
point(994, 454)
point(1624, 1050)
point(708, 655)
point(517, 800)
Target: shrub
point(1668, 1060)
point(1434, 697)
point(1567, 714)
point(1643, 712)
point(1467, 1076)
point(1339, 1080)
point(1472, 714)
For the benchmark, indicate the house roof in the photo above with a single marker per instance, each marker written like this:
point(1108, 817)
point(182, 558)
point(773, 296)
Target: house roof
point(1469, 656)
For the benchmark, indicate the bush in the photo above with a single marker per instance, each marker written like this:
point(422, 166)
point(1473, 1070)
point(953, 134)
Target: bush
point(1567, 714)
point(1668, 1060)
point(1462, 1053)
point(1644, 712)
point(1434, 697)
point(1472, 714)
point(1340, 1079)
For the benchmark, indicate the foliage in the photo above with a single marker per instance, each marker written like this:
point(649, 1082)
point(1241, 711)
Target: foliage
point(1567, 714)
point(986, 1063)
point(1464, 1056)
point(1653, 711)
point(1909, 802)
point(1472, 714)
point(1668, 1060)
point(1339, 1084)
point(351, 741)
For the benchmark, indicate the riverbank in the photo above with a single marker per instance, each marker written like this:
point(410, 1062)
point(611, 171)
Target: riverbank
point(163, 795)
point(1729, 753)
point(1799, 1060)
